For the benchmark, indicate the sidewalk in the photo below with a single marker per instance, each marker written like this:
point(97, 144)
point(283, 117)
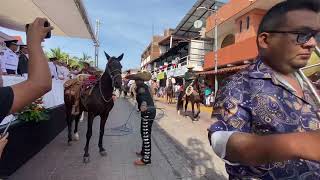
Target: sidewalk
point(192, 139)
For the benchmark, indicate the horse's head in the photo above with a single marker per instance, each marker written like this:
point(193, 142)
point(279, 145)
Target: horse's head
point(113, 68)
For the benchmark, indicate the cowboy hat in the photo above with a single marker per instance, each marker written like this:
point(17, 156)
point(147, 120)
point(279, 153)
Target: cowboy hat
point(144, 76)
point(189, 66)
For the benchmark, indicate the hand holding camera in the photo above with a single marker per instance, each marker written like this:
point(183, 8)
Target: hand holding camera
point(38, 31)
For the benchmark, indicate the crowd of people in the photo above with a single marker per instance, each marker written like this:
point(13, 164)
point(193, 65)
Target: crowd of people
point(178, 87)
point(14, 61)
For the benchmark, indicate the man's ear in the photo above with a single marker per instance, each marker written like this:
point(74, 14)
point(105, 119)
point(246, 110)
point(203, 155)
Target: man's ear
point(263, 40)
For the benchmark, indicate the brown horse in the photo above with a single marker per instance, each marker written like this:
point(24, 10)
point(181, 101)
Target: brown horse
point(170, 92)
point(195, 98)
point(97, 101)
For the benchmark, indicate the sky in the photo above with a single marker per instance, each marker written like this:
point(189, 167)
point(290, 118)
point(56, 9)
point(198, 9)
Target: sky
point(127, 27)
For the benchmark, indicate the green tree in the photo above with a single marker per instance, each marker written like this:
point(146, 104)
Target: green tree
point(85, 57)
point(59, 54)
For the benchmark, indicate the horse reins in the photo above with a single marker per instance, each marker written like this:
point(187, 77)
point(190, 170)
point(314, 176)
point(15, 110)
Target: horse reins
point(112, 81)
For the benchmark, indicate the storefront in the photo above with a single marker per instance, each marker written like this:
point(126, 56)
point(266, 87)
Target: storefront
point(221, 73)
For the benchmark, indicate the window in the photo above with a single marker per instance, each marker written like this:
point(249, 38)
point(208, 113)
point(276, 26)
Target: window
point(240, 26)
point(248, 22)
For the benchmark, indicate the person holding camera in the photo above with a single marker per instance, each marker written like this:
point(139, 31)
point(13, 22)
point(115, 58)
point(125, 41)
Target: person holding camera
point(14, 98)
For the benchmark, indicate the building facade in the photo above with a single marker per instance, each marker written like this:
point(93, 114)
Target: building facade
point(185, 45)
point(237, 23)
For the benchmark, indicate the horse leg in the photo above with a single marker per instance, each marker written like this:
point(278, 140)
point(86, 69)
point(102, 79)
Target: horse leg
point(186, 105)
point(69, 123)
point(178, 105)
point(103, 121)
point(86, 156)
point(198, 107)
point(75, 132)
point(192, 107)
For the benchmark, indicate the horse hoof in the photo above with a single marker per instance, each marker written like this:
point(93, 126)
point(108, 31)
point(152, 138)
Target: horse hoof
point(69, 143)
point(103, 153)
point(76, 137)
point(86, 160)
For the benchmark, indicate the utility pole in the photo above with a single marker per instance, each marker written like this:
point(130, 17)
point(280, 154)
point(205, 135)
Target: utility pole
point(216, 86)
point(97, 44)
point(215, 49)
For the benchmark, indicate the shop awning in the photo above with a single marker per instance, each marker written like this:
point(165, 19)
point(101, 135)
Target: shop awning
point(223, 70)
point(5, 37)
point(68, 17)
point(185, 28)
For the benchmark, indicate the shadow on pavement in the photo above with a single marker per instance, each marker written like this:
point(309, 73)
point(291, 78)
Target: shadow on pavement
point(198, 162)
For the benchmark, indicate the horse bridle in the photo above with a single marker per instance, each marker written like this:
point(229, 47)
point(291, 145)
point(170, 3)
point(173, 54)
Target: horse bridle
point(112, 81)
point(113, 77)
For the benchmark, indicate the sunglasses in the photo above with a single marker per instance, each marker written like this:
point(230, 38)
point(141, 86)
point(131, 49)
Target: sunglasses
point(302, 37)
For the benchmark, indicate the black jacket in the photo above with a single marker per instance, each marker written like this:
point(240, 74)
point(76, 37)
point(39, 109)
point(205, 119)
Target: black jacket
point(23, 64)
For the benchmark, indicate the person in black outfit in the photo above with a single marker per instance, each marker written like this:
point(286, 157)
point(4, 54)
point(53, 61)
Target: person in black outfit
point(23, 60)
point(148, 113)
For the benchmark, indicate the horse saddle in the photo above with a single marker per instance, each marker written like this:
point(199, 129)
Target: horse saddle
point(87, 84)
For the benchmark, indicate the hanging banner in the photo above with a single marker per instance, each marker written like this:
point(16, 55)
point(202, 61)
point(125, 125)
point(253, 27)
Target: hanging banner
point(160, 76)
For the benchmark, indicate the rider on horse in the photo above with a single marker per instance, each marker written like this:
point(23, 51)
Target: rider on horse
point(189, 77)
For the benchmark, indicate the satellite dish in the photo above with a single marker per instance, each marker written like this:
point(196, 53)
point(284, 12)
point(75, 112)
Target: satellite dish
point(198, 24)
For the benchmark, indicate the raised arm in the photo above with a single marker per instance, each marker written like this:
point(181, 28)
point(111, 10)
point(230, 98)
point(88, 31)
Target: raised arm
point(39, 78)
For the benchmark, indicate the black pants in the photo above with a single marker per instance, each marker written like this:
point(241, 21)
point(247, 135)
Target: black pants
point(9, 71)
point(147, 119)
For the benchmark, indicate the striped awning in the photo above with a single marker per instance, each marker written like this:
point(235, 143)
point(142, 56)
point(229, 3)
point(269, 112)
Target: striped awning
point(223, 70)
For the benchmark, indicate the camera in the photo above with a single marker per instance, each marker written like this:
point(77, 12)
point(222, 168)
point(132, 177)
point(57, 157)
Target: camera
point(46, 24)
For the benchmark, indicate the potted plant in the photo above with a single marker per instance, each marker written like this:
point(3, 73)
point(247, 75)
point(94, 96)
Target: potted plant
point(35, 112)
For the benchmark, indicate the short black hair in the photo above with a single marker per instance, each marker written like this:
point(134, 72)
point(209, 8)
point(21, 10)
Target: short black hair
point(53, 59)
point(275, 17)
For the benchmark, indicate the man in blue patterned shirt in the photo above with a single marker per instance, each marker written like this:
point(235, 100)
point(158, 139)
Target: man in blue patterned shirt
point(268, 123)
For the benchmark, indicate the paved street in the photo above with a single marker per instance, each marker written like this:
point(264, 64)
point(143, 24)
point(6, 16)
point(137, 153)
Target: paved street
point(180, 151)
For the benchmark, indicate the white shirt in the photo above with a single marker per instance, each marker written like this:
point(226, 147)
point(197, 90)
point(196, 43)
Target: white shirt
point(177, 87)
point(61, 72)
point(53, 69)
point(173, 80)
point(66, 72)
point(131, 82)
point(9, 60)
point(2, 62)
